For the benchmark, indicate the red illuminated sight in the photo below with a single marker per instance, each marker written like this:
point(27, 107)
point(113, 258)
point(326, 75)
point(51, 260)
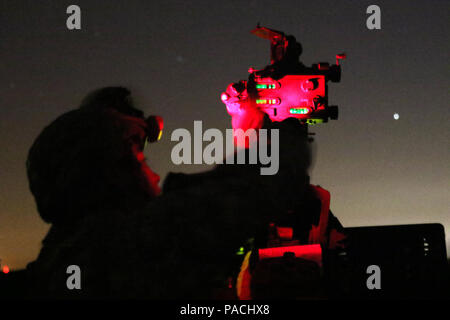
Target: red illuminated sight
point(296, 96)
point(5, 269)
point(285, 88)
point(311, 252)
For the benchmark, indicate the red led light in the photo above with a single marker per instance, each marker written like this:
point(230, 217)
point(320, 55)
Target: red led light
point(299, 110)
point(266, 86)
point(5, 269)
point(310, 252)
point(224, 97)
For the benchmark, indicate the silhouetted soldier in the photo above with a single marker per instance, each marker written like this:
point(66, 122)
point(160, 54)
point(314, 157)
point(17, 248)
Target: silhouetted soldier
point(86, 170)
point(90, 180)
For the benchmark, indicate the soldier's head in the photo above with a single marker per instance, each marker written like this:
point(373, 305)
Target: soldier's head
point(91, 159)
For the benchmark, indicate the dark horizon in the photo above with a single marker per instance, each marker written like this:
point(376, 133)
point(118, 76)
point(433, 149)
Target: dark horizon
point(177, 58)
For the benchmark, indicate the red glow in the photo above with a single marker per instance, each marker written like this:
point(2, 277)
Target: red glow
point(341, 56)
point(318, 234)
point(291, 98)
point(309, 252)
point(160, 122)
point(150, 179)
point(140, 156)
point(285, 233)
point(230, 282)
point(278, 104)
point(5, 269)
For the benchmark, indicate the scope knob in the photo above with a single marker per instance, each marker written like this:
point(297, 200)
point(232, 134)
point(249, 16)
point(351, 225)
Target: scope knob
point(335, 73)
point(309, 85)
point(333, 112)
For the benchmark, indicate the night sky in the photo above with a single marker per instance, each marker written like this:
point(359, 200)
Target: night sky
point(177, 57)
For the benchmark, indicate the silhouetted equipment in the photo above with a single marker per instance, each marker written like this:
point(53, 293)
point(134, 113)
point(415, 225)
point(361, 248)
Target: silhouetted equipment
point(286, 88)
point(412, 261)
